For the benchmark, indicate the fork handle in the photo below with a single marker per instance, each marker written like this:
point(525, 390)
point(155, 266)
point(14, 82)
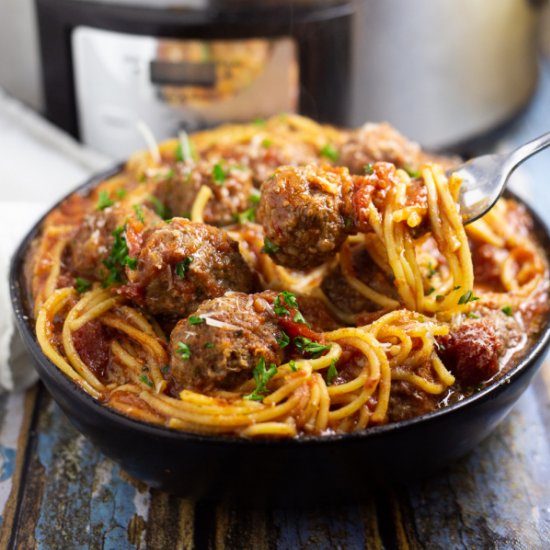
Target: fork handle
point(516, 157)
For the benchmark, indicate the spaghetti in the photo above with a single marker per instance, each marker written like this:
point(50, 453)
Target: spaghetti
point(378, 346)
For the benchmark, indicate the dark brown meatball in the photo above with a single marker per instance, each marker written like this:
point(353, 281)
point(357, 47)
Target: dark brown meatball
point(181, 264)
point(471, 351)
point(306, 214)
point(94, 240)
point(230, 183)
point(381, 142)
point(224, 341)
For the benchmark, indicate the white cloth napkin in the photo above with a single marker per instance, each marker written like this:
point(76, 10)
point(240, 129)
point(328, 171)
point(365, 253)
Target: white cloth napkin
point(38, 164)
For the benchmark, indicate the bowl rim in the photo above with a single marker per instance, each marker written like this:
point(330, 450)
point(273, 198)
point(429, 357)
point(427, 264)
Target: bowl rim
point(18, 299)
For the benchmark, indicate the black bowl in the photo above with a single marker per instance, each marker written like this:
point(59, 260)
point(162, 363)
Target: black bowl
point(318, 469)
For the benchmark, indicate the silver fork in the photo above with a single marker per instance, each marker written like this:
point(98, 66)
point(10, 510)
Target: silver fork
point(484, 178)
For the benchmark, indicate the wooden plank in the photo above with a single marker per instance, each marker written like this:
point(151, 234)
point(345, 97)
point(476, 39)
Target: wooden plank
point(73, 496)
point(497, 497)
point(16, 412)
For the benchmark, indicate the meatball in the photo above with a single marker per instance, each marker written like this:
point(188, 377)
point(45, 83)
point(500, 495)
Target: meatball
point(94, 239)
point(181, 264)
point(230, 183)
point(381, 142)
point(471, 351)
point(224, 341)
point(306, 214)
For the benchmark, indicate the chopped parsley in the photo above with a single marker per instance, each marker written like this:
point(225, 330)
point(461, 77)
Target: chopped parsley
point(269, 246)
point(439, 298)
point(332, 372)
point(292, 365)
point(507, 310)
point(218, 174)
point(299, 318)
point(195, 320)
point(261, 376)
point(161, 210)
point(259, 121)
point(412, 172)
point(183, 350)
point(472, 315)
point(289, 298)
point(431, 270)
point(82, 285)
point(103, 201)
point(430, 291)
point(283, 341)
point(267, 143)
point(368, 169)
point(183, 266)
point(457, 287)
point(209, 345)
point(121, 193)
point(305, 345)
point(283, 298)
point(330, 152)
point(278, 307)
point(139, 212)
point(145, 379)
point(255, 196)
point(468, 297)
point(118, 258)
point(246, 216)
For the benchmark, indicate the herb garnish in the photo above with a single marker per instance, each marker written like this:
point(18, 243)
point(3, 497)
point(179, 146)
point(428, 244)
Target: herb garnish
point(82, 285)
point(266, 143)
point(330, 152)
point(121, 193)
point(332, 372)
point(195, 320)
point(288, 298)
point(305, 345)
point(412, 172)
point(299, 318)
point(209, 345)
point(292, 365)
point(183, 350)
point(255, 196)
point(472, 315)
point(507, 310)
point(261, 376)
point(139, 212)
point(269, 246)
point(368, 169)
point(118, 259)
point(246, 216)
point(183, 266)
point(145, 379)
point(431, 270)
point(283, 341)
point(468, 297)
point(103, 201)
point(218, 174)
point(161, 210)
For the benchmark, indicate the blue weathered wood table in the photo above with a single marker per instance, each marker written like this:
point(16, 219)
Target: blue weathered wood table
point(57, 491)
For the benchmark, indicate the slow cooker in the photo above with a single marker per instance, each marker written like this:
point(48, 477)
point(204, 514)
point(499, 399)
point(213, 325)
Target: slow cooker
point(190, 64)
